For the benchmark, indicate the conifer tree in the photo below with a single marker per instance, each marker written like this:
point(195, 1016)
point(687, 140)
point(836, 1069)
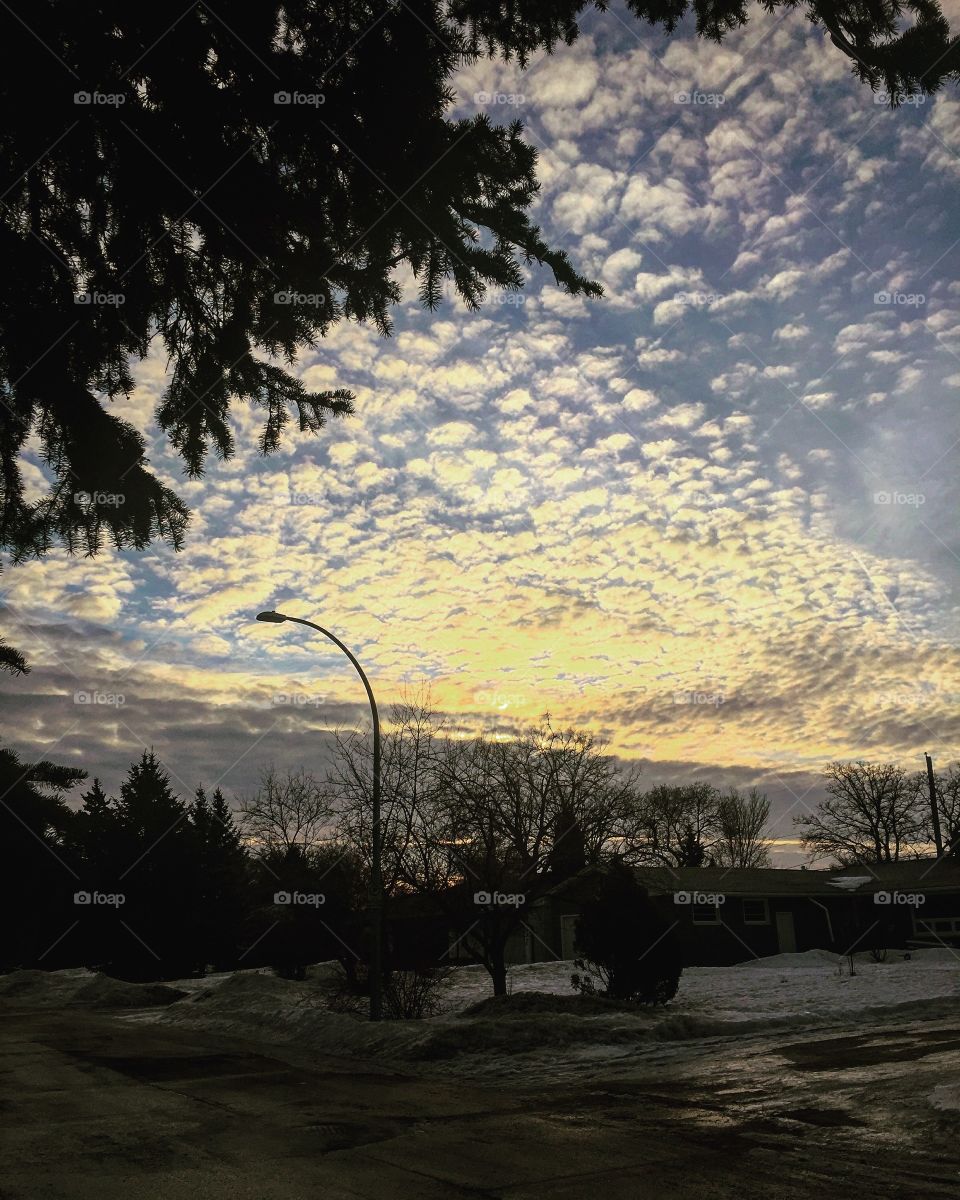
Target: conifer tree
point(223, 887)
point(159, 876)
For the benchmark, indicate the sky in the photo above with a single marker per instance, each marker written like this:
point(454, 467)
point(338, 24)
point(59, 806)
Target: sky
point(709, 517)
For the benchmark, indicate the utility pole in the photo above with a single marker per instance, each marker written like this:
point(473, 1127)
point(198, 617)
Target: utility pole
point(934, 812)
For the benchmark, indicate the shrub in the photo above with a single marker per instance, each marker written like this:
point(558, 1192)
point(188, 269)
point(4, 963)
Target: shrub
point(407, 995)
point(627, 950)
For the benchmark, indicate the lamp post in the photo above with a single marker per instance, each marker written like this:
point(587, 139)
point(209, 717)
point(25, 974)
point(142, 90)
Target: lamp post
point(376, 878)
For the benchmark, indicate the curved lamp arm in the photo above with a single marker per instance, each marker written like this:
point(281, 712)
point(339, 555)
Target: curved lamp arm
point(376, 877)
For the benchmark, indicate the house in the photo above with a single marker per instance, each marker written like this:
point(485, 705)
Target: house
point(728, 915)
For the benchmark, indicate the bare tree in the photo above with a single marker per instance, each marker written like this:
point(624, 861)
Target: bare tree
point(518, 816)
point(465, 819)
point(410, 778)
point(289, 810)
point(593, 793)
point(871, 814)
point(741, 822)
point(674, 826)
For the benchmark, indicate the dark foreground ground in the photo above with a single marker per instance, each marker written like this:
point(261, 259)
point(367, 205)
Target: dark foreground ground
point(94, 1106)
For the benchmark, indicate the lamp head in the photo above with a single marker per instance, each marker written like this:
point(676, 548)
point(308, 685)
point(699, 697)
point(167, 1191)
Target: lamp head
point(274, 617)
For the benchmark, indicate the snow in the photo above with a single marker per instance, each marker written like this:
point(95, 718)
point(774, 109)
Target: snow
point(757, 997)
point(946, 1098)
point(809, 984)
point(52, 989)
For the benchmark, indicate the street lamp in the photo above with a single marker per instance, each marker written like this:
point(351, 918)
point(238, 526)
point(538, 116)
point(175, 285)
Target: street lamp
point(376, 879)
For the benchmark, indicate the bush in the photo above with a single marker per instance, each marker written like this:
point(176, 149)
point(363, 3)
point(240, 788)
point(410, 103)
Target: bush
point(413, 995)
point(407, 995)
point(627, 950)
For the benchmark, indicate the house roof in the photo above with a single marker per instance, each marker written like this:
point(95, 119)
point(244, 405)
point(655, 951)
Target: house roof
point(924, 875)
point(915, 875)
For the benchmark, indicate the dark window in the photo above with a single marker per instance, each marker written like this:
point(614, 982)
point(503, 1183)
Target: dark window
point(756, 912)
point(705, 914)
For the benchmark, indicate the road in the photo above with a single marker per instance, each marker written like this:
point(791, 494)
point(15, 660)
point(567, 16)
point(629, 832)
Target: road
point(94, 1106)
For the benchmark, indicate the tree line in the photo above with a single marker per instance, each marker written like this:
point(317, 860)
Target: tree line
point(475, 830)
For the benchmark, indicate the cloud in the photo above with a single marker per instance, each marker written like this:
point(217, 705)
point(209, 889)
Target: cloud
point(590, 506)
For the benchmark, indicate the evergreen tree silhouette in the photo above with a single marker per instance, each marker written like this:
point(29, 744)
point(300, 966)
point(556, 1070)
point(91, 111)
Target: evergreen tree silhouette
point(160, 878)
point(224, 879)
point(96, 834)
point(40, 868)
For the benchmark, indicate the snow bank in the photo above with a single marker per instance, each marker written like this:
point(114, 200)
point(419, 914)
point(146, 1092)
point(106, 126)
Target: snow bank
point(42, 989)
point(90, 989)
point(262, 1006)
point(540, 1015)
point(805, 958)
point(104, 992)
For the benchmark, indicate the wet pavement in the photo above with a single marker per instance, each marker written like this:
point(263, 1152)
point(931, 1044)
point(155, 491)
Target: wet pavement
point(93, 1105)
